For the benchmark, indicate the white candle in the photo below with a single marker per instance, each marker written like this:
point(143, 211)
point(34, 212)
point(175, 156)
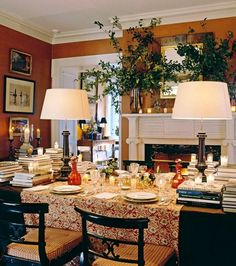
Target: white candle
point(233, 108)
point(193, 157)
point(32, 132)
point(112, 180)
point(149, 110)
point(26, 134)
point(140, 111)
point(224, 160)
point(210, 157)
point(10, 133)
point(133, 182)
point(210, 179)
point(38, 133)
point(56, 146)
point(40, 151)
point(165, 110)
point(198, 180)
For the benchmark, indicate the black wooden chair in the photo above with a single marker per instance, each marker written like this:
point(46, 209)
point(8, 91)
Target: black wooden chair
point(121, 252)
point(23, 244)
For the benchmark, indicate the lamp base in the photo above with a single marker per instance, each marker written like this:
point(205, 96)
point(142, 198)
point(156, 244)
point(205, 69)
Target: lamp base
point(201, 165)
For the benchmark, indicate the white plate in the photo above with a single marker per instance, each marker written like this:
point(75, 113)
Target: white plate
point(140, 201)
point(141, 195)
point(67, 188)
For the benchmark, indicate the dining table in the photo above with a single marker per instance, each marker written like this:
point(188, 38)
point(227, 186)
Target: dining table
point(109, 200)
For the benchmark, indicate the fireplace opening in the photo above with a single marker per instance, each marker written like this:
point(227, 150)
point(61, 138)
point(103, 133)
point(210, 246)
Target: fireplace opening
point(164, 155)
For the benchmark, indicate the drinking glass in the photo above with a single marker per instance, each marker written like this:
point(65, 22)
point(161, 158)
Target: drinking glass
point(133, 168)
point(94, 175)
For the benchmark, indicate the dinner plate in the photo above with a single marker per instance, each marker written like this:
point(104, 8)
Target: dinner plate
point(66, 189)
point(140, 201)
point(141, 195)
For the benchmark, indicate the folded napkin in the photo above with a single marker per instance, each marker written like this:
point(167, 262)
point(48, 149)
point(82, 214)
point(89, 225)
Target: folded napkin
point(37, 188)
point(106, 195)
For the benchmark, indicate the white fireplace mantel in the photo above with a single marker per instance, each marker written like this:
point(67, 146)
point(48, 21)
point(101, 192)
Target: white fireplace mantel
point(162, 129)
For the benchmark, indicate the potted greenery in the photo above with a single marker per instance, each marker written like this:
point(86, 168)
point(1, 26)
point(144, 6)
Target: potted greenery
point(213, 60)
point(139, 68)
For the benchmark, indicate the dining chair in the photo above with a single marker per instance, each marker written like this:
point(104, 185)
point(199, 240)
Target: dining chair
point(120, 252)
point(27, 244)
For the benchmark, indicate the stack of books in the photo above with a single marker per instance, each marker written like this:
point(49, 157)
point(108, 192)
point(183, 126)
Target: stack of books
point(226, 173)
point(8, 169)
point(229, 197)
point(30, 179)
point(204, 195)
point(37, 164)
point(56, 156)
point(211, 168)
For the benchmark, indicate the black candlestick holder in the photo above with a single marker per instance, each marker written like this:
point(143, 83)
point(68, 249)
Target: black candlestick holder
point(11, 156)
point(37, 142)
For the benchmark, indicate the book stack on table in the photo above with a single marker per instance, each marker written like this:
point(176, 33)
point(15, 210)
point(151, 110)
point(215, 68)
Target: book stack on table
point(38, 164)
point(229, 197)
point(56, 155)
point(226, 173)
point(203, 194)
point(30, 179)
point(8, 169)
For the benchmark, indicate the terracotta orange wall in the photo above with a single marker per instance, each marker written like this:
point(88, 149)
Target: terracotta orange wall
point(218, 26)
point(41, 68)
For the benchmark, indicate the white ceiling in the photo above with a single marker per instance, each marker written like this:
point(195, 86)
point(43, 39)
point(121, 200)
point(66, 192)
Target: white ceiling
point(60, 20)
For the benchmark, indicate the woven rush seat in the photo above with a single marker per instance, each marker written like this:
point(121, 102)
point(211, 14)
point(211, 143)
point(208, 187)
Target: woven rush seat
point(154, 255)
point(58, 242)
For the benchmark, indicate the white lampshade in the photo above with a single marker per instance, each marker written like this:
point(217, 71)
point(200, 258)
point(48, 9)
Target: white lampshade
point(65, 104)
point(202, 100)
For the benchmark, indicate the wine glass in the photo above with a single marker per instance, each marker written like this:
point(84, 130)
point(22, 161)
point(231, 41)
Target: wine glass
point(94, 175)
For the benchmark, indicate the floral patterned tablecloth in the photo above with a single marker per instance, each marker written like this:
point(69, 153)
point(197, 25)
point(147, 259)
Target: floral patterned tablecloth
point(164, 220)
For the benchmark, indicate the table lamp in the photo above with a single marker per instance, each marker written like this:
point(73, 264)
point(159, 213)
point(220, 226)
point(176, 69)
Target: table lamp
point(202, 100)
point(65, 104)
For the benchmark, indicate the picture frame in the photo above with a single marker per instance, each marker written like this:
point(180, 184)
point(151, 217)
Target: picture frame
point(168, 49)
point(17, 125)
point(19, 95)
point(20, 62)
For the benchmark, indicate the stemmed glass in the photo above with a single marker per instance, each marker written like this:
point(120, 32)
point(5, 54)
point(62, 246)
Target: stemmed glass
point(94, 175)
point(161, 183)
point(133, 168)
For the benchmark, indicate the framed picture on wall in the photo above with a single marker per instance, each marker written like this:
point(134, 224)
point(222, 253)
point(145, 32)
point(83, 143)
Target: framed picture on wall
point(17, 125)
point(19, 95)
point(20, 62)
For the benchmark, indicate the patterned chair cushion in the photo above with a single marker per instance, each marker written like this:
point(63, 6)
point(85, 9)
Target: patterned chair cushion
point(58, 242)
point(154, 255)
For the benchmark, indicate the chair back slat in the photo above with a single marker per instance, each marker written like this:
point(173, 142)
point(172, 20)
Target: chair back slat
point(110, 244)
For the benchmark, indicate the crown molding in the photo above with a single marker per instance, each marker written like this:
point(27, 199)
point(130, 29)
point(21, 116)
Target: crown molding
point(23, 27)
point(171, 16)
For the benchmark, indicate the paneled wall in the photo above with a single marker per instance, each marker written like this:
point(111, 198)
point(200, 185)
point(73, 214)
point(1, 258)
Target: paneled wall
point(41, 73)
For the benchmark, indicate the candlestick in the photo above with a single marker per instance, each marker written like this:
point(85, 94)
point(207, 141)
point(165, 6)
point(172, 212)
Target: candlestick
point(11, 156)
point(224, 160)
point(38, 133)
point(38, 142)
point(10, 134)
point(56, 146)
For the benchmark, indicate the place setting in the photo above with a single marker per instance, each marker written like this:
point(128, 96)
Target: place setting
point(66, 190)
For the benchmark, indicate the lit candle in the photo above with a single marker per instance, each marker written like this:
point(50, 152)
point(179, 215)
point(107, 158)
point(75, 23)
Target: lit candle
point(133, 182)
point(149, 110)
point(210, 179)
point(140, 111)
point(224, 160)
point(26, 134)
point(56, 146)
point(198, 180)
point(10, 133)
point(112, 180)
point(233, 108)
point(193, 157)
point(210, 157)
point(40, 150)
point(38, 133)
point(165, 110)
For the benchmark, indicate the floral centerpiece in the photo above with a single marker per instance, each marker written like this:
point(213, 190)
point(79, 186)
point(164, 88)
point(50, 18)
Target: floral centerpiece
point(110, 168)
point(147, 178)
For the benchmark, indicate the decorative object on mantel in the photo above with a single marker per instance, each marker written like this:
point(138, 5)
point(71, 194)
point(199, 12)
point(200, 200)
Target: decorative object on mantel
point(65, 104)
point(140, 68)
point(178, 178)
point(214, 60)
point(202, 100)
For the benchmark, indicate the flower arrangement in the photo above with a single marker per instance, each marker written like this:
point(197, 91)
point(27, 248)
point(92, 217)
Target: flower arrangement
point(147, 178)
point(112, 165)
